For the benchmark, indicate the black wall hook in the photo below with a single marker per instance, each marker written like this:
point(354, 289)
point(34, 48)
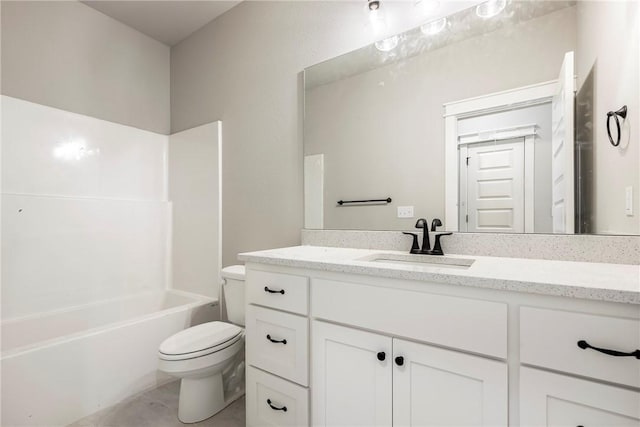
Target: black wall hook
point(622, 113)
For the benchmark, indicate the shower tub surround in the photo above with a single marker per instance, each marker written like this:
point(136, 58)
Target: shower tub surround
point(85, 215)
point(86, 251)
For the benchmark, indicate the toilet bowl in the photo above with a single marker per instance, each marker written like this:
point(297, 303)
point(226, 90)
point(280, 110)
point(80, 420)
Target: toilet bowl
point(200, 354)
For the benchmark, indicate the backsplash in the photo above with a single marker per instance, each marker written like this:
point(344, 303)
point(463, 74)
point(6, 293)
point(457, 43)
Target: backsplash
point(587, 248)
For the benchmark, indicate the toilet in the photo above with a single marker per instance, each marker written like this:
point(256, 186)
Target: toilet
point(199, 355)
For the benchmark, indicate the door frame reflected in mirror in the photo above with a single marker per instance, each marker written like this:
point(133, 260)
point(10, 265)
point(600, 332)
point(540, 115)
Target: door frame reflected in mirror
point(491, 103)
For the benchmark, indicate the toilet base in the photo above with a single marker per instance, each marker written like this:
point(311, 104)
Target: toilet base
point(200, 398)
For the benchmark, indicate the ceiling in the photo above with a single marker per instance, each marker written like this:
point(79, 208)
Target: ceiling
point(168, 22)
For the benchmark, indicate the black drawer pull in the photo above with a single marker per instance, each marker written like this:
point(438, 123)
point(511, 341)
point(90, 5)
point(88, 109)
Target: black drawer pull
point(399, 360)
point(275, 408)
point(585, 345)
point(381, 356)
point(276, 341)
point(271, 291)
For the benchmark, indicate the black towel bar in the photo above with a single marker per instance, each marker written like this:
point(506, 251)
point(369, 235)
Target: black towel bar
point(344, 202)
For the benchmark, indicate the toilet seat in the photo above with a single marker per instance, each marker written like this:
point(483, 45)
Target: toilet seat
point(200, 340)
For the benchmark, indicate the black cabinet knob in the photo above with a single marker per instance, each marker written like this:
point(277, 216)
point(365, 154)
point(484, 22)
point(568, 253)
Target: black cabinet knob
point(381, 356)
point(399, 360)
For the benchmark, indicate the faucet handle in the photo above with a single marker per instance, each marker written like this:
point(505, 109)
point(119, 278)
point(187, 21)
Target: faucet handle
point(415, 248)
point(437, 248)
point(426, 244)
point(435, 223)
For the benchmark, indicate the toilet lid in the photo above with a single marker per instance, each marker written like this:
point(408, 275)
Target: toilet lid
point(201, 337)
point(236, 272)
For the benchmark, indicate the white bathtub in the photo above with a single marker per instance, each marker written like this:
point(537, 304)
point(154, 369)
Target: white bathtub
point(61, 366)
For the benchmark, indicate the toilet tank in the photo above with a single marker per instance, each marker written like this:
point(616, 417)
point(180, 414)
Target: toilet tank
point(233, 290)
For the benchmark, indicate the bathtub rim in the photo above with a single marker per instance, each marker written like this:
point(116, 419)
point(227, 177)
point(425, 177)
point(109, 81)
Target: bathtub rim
point(197, 301)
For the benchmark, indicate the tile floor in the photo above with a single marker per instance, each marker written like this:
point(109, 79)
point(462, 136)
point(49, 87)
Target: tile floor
point(159, 408)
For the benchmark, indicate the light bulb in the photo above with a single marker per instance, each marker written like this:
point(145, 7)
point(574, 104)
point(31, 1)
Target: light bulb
point(490, 8)
point(387, 44)
point(434, 27)
point(427, 7)
point(377, 17)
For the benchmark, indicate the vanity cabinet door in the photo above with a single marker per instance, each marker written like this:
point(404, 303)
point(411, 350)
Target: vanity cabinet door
point(548, 399)
point(351, 377)
point(436, 387)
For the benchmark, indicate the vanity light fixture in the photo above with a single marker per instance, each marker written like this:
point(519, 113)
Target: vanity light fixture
point(434, 27)
point(373, 4)
point(388, 44)
point(490, 8)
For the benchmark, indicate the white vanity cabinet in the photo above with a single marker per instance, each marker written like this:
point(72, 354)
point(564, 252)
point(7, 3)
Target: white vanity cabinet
point(277, 349)
point(591, 346)
point(551, 399)
point(369, 379)
point(351, 376)
point(550, 339)
point(375, 351)
point(437, 387)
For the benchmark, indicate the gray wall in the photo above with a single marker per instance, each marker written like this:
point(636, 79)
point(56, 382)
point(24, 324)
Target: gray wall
point(609, 43)
point(244, 69)
point(382, 131)
point(67, 55)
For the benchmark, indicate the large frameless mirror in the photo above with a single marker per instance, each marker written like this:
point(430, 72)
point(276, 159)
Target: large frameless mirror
point(519, 117)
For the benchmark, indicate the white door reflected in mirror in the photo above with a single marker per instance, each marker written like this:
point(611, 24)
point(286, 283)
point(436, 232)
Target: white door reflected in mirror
point(495, 187)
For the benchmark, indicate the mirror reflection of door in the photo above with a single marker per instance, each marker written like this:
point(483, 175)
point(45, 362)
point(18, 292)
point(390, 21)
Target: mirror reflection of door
point(504, 166)
point(562, 159)
point(495, 186)
point(516, 160)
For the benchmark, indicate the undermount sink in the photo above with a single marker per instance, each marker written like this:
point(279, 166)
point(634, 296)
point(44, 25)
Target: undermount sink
point(420, 260)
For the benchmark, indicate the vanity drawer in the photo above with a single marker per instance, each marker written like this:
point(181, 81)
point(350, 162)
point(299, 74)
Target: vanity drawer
point(278, 342)
point(550, 399)
point(282, 291)
point(474, 325)
point(549, 338)
point(268, 395)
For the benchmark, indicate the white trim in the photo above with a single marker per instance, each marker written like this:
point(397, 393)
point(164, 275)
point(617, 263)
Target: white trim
point(220, 280)
point(529, 183)
point(451, 173)
point(497, 134)
point(454, 111)
point(508, 99)
point(463, 210)
point(222, 307)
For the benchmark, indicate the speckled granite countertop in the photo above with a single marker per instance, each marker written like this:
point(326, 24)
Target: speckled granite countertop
point(597, 281)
